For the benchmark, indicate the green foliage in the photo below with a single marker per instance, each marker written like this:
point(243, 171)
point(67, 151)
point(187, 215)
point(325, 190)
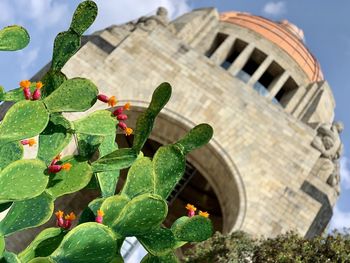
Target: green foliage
point(13, 38)
point(289, 248)
point(30, 187)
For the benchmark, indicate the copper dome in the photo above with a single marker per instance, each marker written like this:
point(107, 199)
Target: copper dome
point(284, 34)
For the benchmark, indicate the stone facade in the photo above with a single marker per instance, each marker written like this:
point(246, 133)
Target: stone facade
point(265, 163)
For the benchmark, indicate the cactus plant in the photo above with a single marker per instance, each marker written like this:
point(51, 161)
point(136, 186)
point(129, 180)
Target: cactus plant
point(30, 187)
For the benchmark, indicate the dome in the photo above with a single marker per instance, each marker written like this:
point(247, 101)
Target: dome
point(284, 34)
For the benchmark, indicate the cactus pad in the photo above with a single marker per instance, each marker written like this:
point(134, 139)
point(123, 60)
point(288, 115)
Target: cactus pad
point(28, 213)
point(145, 121)
point(169, 166)
point(66, 182)
point(83, 17)
point(77, 94)
point(66, 45)
point(197, 137)
point(119, 159)
point(9, 153)
point(112, 207)
point(43, 245)
point(25, 119)
point(88, 242)
point(13, 38)
point(192, 229)
point(140, 215)
point(54, 138)
point(140, 178)
point(22, 179)
point(52, 80)
point(97, 123)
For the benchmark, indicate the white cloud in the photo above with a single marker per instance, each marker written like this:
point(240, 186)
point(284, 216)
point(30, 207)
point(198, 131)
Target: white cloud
point(27, 59)
point(121, 11)
point(275, 8)
point(43, 13)
point(340, 219)
point(345, 172)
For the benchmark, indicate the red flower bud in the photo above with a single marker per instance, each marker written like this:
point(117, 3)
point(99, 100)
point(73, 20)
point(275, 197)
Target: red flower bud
point(122, 117)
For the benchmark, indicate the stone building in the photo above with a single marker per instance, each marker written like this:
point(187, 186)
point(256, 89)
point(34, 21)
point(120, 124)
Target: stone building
point(272, 165)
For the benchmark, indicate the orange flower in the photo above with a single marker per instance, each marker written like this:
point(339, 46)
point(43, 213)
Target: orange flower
point(100, 213)
point(24, 84)
point(128, 131)
point(70, 217)
point(59, 214)
point(112, 101)
point(191, 207)
point(31, 142)
point(39, 85)
point(127, 106)
point(204, 214)
point(66, 166)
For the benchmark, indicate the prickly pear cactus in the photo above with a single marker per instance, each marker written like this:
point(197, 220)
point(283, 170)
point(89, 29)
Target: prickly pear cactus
point(29, 187)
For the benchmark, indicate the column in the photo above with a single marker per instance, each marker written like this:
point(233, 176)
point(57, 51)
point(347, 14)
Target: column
point(241, 60)
point(222, 52)
point(277, 84)
point(260, 71)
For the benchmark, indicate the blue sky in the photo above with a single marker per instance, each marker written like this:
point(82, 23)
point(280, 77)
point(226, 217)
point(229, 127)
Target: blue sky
point(325, 24)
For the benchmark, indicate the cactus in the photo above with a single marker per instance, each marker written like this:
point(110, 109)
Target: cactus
point(66, 182)
point(30, 187)
point(22, 179)
point(43, 245)
point(27, 213)
point(13, 38)
point(25, 119)
point(54, 138)
point(9, 153)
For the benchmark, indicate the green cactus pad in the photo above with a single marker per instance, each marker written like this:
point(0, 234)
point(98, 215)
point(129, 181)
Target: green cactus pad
point(54, 138)
point(13, 38)
point(99, 123)
point(65, 46)
point(168, 258)
point(192, 229)
point(52, 80)
point(140, 215)
point(77, 94)
point(22, 179)
point(9, 153)
point(83, 17)
point(88, 144)
point(88, 242)
point(119, 159)
point(158, 242)
point(112, 207)
point(42, 260)
point(9, 257)
point(66, 182)
point(145, 121)
point(2, 245)
point(108, 182)
point(168, 166)
point(26, 214)
point(25, 119)
point(197, 137)
point(140, 178)
point(108, 145)
point(43, 245)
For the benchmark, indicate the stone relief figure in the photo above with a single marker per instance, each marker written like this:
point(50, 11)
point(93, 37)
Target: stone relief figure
point(328, 142)
point(148, 23)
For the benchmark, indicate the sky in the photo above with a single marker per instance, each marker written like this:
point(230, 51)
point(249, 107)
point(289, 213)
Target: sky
point(325, 24)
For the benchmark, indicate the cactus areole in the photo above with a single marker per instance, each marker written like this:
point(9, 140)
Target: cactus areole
point(30, 187)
